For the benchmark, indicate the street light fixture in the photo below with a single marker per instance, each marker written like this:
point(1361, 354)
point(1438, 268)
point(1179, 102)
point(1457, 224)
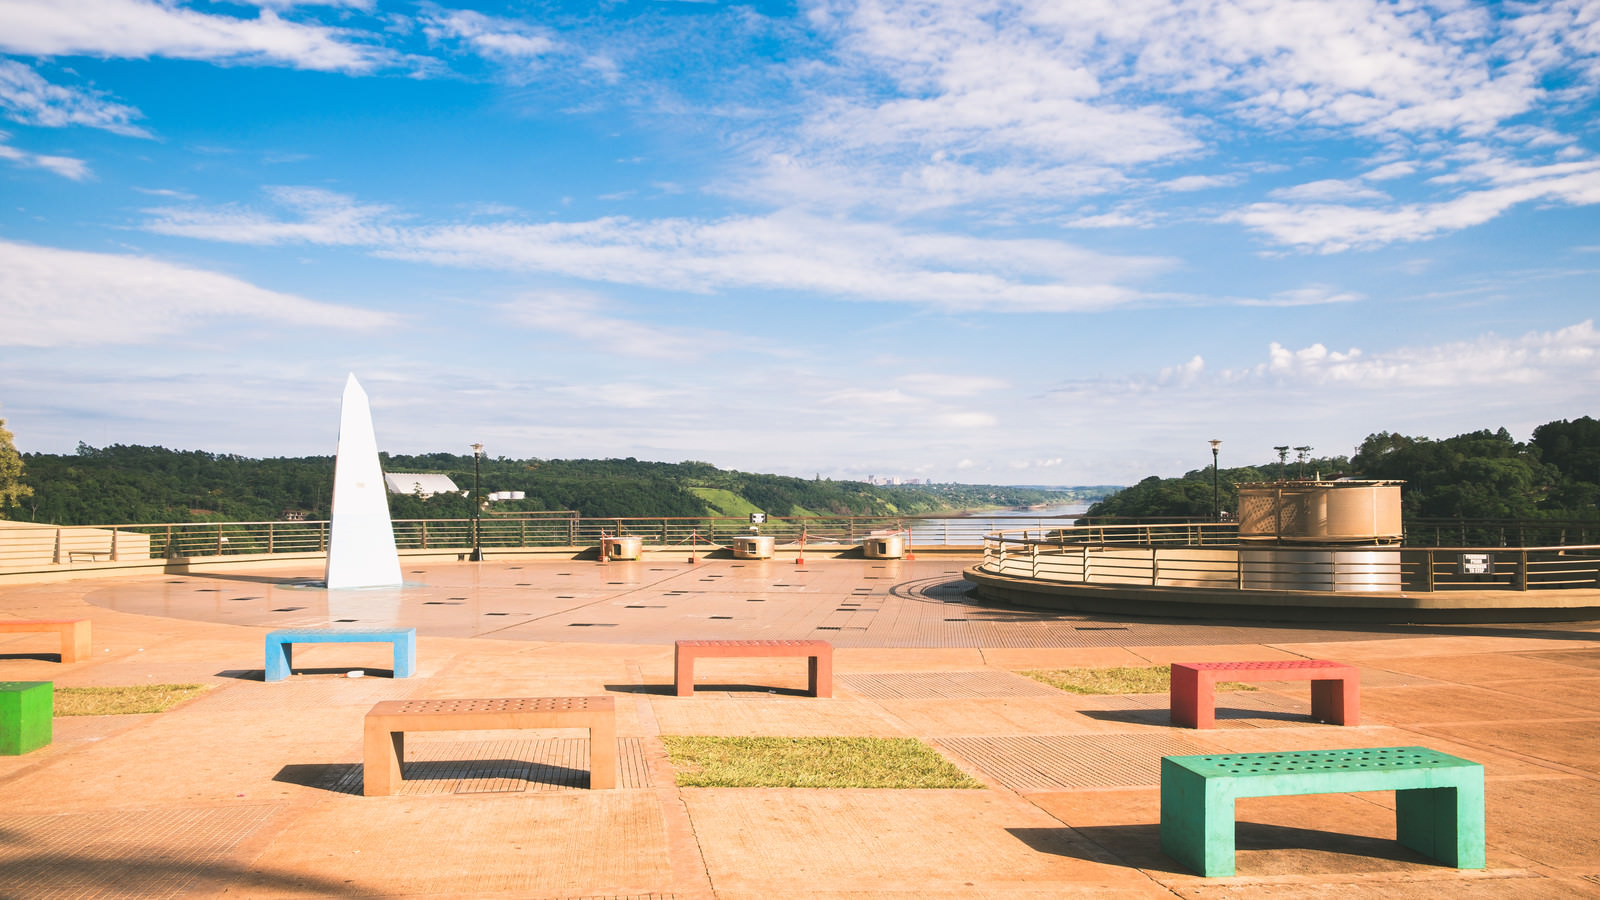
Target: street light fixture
point(477, 503)
point(1216, 510)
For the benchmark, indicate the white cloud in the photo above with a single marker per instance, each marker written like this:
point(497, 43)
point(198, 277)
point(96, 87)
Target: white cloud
point(139, 29)
point(1199, 182)
point(1015, 100)
point(65, 166)
point(28, 98)
point(54, 298)
point(1331, 228)
point(968, 419)
point(586, 317)
point(782, 251)
point(1568, 356)
point(1311, 295)
point(523, 48)
point(939, 384)
point(1327, 189)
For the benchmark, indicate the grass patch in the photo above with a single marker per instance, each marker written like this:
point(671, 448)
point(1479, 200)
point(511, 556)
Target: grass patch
point(133, 699)
point(1118, 680)
point(724, 502)
point(811, 762)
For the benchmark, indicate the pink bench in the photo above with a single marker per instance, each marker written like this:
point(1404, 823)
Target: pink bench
point(74, 634)
point(819, 653)
point(1335, 688)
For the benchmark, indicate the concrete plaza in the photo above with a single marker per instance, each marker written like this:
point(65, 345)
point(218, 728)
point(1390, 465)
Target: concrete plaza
point(254, 789)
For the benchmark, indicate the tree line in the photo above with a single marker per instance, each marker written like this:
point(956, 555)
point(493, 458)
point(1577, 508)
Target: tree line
point(131, 483)
point(1478, 475)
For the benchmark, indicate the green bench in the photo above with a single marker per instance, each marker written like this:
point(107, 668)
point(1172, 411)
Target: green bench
point(26, 708)
point(1438, 798)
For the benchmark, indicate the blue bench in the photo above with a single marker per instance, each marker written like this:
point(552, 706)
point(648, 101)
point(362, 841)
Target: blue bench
point(1438, 798)
point(280, 644)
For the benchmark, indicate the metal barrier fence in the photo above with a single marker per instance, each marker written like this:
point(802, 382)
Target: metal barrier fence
point(1209, 556)
point(26, 545)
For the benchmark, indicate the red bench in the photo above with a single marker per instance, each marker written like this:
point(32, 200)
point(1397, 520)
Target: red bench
point(820, 654)
point(1335, 688)
point(74, 634)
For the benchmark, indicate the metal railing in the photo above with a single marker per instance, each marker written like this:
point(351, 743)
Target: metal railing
point(1210, 556)
point(27, 545)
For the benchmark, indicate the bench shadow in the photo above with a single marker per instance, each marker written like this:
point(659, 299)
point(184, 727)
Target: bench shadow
point(340, 778)
point(1139, 846)
point(345, 778)
point(670, 690)
point(664, 690)
point(338, 671)
point(702, 686)
point(1163, 717)
point(42, 657)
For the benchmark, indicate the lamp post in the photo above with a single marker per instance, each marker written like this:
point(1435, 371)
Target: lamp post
point(1216, 510)
point(477, 502)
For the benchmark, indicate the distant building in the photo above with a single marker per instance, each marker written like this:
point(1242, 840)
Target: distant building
point(421, 485)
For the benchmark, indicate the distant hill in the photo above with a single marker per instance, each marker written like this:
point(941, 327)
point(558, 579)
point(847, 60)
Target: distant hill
point(128, 484)
point(1478, 475)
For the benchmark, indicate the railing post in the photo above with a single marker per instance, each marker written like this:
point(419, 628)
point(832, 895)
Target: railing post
point(1085, 551)
point(270, 535)
point(1155, 567)
point(114, 556)
point(55, 558)
point(1427, 575)
point(1522, 571)
point(220, 538)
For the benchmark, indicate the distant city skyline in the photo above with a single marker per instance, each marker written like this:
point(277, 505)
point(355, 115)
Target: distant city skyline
point(1010, 242)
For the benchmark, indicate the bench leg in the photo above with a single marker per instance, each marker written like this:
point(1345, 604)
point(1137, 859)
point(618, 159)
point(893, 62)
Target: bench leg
point(1192, 698)
point(603, 754)
point(1337, 700)
point(821, 675)
point(683, 673)
point(382, 752)
point(1196, 821)
point(75, 642)
point(279, 656)
point(1445, 823)
point(405, 656)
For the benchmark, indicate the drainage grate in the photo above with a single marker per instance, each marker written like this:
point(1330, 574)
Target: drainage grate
point(945, 685)
point(1045, 763)
point(591, 624)
point(134, 853)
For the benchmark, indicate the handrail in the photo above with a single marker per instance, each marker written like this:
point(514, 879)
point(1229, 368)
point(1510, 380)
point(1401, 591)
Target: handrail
point(1209, 555)
point(28, 544)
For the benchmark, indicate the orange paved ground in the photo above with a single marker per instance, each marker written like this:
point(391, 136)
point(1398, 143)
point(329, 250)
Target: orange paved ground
point(254, 789)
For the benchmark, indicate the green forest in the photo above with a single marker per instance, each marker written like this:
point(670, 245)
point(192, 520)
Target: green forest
point(136, 484)
point(1478, 475)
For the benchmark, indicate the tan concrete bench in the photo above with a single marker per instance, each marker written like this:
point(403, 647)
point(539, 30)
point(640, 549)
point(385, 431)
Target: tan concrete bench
point(820, 654)
point(384, 735)
point(74, 634)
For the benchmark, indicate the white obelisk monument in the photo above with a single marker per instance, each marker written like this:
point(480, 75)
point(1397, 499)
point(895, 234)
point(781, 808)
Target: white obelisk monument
point(361, 551)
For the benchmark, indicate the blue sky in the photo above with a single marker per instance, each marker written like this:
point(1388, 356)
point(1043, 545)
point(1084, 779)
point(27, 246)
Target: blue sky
point(1002, 242)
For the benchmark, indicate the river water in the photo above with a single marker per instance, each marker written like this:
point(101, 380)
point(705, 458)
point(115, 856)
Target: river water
point(969, 530)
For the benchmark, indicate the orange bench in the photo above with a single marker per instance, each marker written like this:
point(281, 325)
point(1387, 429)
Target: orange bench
point(74, 634)
point(1335, 688)
point(819, 654)
point(383, 743)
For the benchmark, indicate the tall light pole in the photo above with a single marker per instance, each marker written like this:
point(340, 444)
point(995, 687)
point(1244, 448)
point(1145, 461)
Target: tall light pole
point(477, 503)
point(1216, 510)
